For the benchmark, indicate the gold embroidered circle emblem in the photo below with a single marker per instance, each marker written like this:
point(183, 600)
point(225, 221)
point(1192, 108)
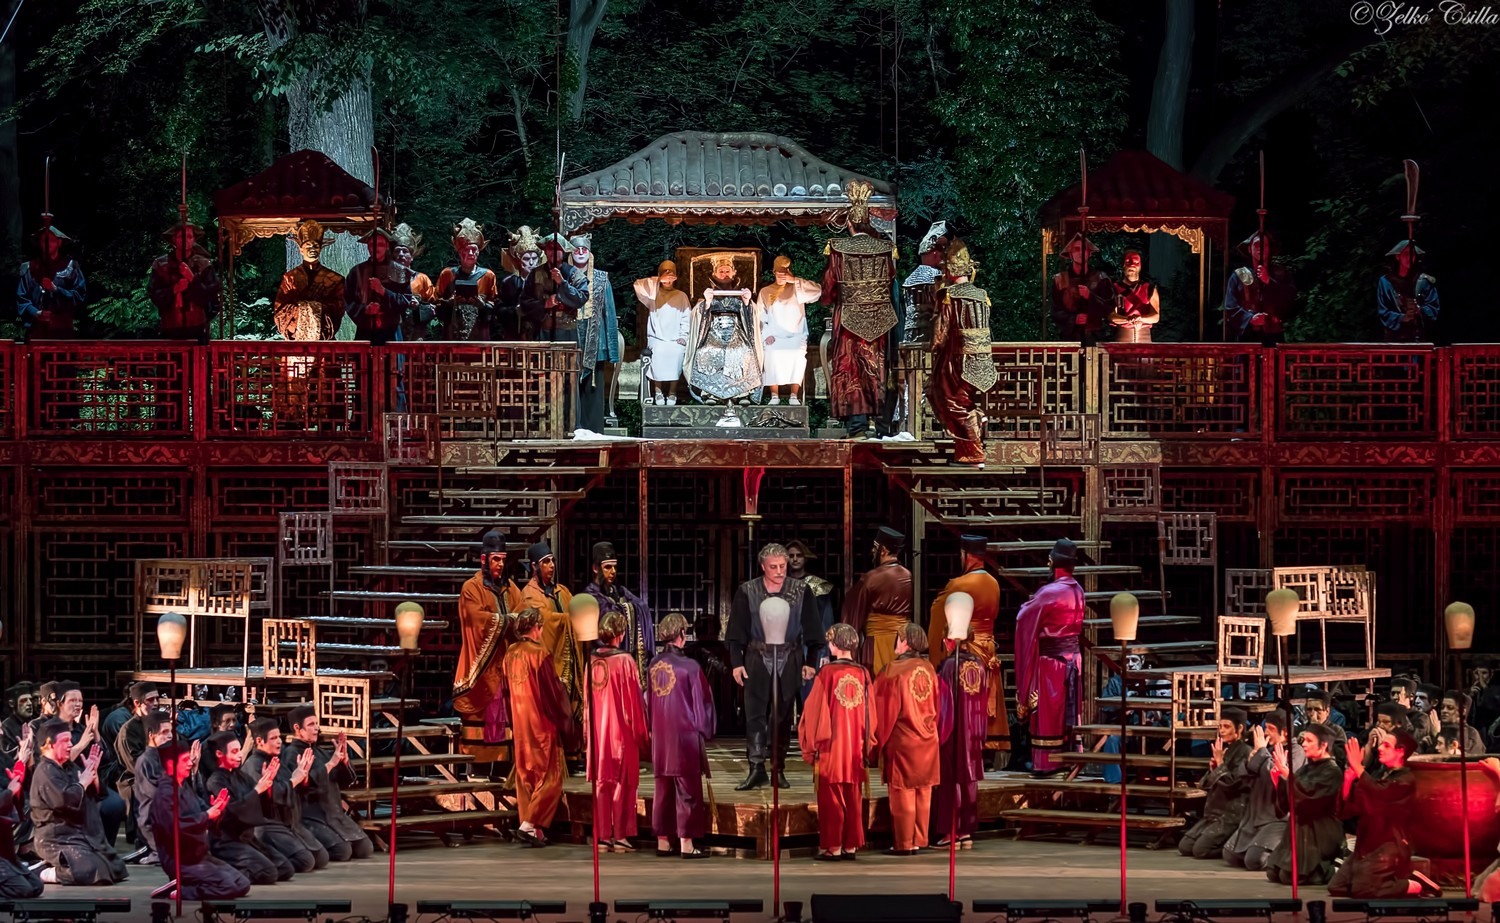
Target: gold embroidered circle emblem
point(518, 671)
point(663, 679)
point(970, 675)
point(849, 691)
point(920, 685)
point(599, 673)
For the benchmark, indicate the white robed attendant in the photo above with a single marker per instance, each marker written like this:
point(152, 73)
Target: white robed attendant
point(783, 317)
point(668, 322)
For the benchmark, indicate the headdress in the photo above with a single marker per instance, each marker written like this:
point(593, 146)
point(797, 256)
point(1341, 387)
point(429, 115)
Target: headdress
point(557, 240)
point(1237, 715)
point(781, 263)
point(49, 228)
point(958, 260)
point(1402, 245)
point(666, 266)
point(177, 227)
point(844, 635)
point(974, 544)
point(581, 242)
point(470, 233)
point(538, 553)
point(378, 232)
point(1064, 552)
point(890, 539)
point(493, 542)
point(408, 238)
point(311, 231)
point(1248, 242)
point(937, 232)
point(721, 259)
point(523, 240)
point(1088, 244)
point(859, 192)
point(603, 553)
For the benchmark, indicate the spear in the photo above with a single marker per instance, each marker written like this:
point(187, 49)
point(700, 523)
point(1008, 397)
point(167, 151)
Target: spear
point(1083, 210)
point(47, 192)
point(1260, 261)
point(1413, 175)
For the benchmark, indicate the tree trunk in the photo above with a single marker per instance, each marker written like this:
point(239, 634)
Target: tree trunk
point(1168, 259)
point(584, 17)
point(12, 221)
point(345, 131)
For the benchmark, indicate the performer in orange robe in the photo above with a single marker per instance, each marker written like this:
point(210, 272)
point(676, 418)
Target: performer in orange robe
point(837, 735)
point(977, 582)
point(541, 723)
point(906, 712)
point(552, 599)
point(486, 607)
point(879, 606)
point(617, 732)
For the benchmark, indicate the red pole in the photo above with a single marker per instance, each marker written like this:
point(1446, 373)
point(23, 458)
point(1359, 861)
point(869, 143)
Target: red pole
point(1463, 783)
point(592, 757)
point(176, 786)
point(1291, 790)
point(1124, 780)
point(775, 787)
point(390, 890)
point(958, 754)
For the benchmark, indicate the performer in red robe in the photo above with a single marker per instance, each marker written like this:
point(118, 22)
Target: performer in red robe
point(879, 606)
point(837, 735)
point(961, 763)
point(985, 590)
point(615, 720)
point(906, 707)
point(1049, 664)
point(682, 723)
point(541, 722)
point(486, 607)
point(858, 285)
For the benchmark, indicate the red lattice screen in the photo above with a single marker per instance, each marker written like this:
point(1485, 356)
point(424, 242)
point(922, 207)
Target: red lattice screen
point(8, 353)
point(110, 495)
point(1474, 396)
point(1357, 392)
point(1166, 392)
point(1476, 496)
point(1362, 495)
point(122, 390)
point(277, 389)
point(1231, 495)
point(85, 585)
point(259, 495)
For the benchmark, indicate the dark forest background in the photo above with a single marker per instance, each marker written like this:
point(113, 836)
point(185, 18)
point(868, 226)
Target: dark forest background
point(975, 108)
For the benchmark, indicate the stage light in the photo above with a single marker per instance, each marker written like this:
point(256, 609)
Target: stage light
point(491, 910)
point(1411, 909)
point(408, 625)
point(583, 612)
point(1045, 909)
point(63, 909)
point(1124, 616)
point(171, 632)
point(1281, 611)
point(1228, 909)
point(959, 610)
point(689, 910)
point(1458, 619)
point(214, 911)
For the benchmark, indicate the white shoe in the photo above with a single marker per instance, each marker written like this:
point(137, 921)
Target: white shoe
point(671, 400)
point(794, 400)
point(775, 399)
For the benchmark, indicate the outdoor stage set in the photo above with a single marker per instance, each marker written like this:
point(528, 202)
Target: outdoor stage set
point(286, 496)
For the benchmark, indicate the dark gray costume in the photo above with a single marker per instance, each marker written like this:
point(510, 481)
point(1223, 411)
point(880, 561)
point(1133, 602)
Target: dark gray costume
point(1228, 788)
point(322, 805)
point(747, 649)
point(202, 876)
point(69, 833)
point(237, 841)
point(1320, 836)
point(283, 830)
point(1264, 824)
point(17, 882)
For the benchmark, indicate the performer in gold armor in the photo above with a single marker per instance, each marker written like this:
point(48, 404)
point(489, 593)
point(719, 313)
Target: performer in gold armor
point(309, 305)
point(962, 368)
point(857, 284)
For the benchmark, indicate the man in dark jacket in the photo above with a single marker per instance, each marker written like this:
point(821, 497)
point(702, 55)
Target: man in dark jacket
point(283, 830)
point(322, 801)
point(1228, 788)
point(238, 841)
point(1317, 786)
point(1264, 824)
point(185, 824)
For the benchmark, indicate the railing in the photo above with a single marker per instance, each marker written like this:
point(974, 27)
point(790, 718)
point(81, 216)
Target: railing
point(340, 392)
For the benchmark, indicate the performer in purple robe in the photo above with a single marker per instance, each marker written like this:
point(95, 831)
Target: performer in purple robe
point(681, 708)
point(961, 766)
point(1049, 664)
point(640, 637)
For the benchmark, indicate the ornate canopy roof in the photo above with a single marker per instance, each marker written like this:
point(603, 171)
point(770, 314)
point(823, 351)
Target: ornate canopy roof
point(717, 178)
point(1135, 191)
point(303, 184)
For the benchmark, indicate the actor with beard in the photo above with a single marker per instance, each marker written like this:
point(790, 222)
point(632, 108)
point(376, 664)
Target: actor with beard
point(639, 639)
point(486, 608)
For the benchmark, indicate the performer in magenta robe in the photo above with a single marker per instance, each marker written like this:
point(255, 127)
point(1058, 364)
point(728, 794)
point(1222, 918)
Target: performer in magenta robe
point(961, 765)
point(682, 723)
point(617, 734)
point(1049, 664)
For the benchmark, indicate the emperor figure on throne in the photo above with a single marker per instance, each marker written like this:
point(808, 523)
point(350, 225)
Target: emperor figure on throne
point(724, 358)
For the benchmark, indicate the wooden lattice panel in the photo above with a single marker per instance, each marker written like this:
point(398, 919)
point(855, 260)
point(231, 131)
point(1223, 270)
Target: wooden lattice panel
point(1311, 586)
point(1189, 539)
point(1070, 439)
point(357, 487)
point(1131, 490)
point(1245, 590)
point(109, 494)
point(1350, 594)
point(306, 540)
point(1232, 495)
point(343, 705)
point(258, 496)
point(1476, 496)
point(512, 392)
point(1163, 392)
point(1357, 393)
point(270, 389)
point(1242, 645)
point(289, 647)
point(1195, 699)
point(7, 389)
point(1475, 392)
point(194, 587)
point(1365, 495)
point(83, 583)
point(125, 391)
point(410, 438)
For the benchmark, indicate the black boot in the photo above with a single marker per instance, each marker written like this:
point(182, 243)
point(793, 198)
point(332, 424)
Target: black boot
point(754, 779)
point(781, 781)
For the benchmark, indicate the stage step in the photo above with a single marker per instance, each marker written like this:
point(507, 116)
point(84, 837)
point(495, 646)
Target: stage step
point(1104, 596)
point(1082, 570)
point(1043, 545)
point(1156, 621)
point(446, 820)
point(417, 788)
point(480, 522)
point(413, 760)
point(1010, 520)
point(486, 494)
point(415, 570)
point(1162, 647)
point(1142, 760)
point(409, 732)
point(979, 493)
point(1144, 730)
point(942, 467)
point(422, 544)
point(1145, 703)
point(335, 621)
point(388, 703)
point(1134, 790)
point(354, 650)
point(389, 596)
point(1030, 816)
point(530, 471)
